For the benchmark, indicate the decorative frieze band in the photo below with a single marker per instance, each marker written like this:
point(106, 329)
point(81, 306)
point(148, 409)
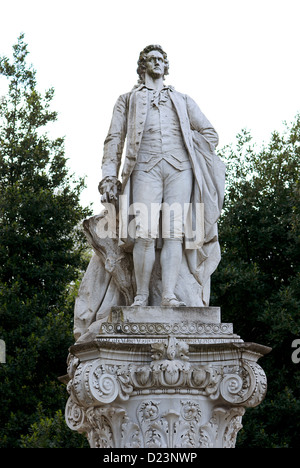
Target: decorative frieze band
point(182, 328)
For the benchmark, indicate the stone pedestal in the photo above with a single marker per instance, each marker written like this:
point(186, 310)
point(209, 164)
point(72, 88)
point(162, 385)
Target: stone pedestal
point(159, 377)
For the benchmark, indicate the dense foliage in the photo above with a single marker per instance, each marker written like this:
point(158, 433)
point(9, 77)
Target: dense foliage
point(42, 252)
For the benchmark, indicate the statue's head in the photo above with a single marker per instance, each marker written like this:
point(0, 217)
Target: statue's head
point(142, 62)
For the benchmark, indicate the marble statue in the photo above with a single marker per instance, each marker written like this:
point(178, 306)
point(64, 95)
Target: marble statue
point(153, 366)
point(171, 170)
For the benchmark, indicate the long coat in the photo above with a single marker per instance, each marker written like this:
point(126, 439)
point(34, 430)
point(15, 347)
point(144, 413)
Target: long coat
point(201, 139)
point(128, 120)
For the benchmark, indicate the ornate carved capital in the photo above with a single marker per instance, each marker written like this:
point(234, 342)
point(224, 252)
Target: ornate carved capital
point(157, 425)
point(240, 384)
point(164, 391)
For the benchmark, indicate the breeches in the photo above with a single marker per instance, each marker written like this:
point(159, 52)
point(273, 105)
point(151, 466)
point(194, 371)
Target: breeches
point(162, 190)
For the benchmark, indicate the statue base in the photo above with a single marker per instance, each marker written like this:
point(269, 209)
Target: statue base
point(163, 377)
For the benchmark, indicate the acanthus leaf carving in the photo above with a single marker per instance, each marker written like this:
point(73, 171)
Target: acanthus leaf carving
point(222, 428)
point(171, 428)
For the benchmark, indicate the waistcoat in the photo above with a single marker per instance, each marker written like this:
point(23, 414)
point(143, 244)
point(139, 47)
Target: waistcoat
point(162, 137)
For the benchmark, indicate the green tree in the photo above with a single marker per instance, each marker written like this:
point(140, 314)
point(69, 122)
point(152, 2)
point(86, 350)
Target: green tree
point(257, 283)
point(52, 432)
point(42, 251)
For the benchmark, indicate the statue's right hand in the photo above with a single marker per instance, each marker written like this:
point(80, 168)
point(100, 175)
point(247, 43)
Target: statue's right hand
point(105, 198)
point(109, 187)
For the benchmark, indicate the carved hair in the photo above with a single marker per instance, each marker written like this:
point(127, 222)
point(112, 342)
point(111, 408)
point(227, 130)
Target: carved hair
point(143, 57)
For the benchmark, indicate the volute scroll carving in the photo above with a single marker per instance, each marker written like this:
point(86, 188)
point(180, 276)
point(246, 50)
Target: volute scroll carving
point(169, 371)
point(173, 398)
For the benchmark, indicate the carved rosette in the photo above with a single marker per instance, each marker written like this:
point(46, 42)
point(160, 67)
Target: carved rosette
point(169, 402)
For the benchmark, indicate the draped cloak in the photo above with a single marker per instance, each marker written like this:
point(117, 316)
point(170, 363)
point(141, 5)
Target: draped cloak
point(97, 292)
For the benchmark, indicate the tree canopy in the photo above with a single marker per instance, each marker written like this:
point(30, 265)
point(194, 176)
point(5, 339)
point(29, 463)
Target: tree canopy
point(42, 250)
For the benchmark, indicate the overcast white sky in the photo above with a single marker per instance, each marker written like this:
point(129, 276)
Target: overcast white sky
point(238, 59)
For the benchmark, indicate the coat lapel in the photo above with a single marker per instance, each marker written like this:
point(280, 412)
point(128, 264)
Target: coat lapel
point(137, 114)
point(179, 103)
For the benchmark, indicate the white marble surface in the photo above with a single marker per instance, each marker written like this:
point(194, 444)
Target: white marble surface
point(156, 314)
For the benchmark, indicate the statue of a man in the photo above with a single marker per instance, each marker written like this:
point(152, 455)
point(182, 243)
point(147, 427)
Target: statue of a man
point(169, 160)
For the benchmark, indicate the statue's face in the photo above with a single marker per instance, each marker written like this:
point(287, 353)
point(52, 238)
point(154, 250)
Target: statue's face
point(155, 64)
